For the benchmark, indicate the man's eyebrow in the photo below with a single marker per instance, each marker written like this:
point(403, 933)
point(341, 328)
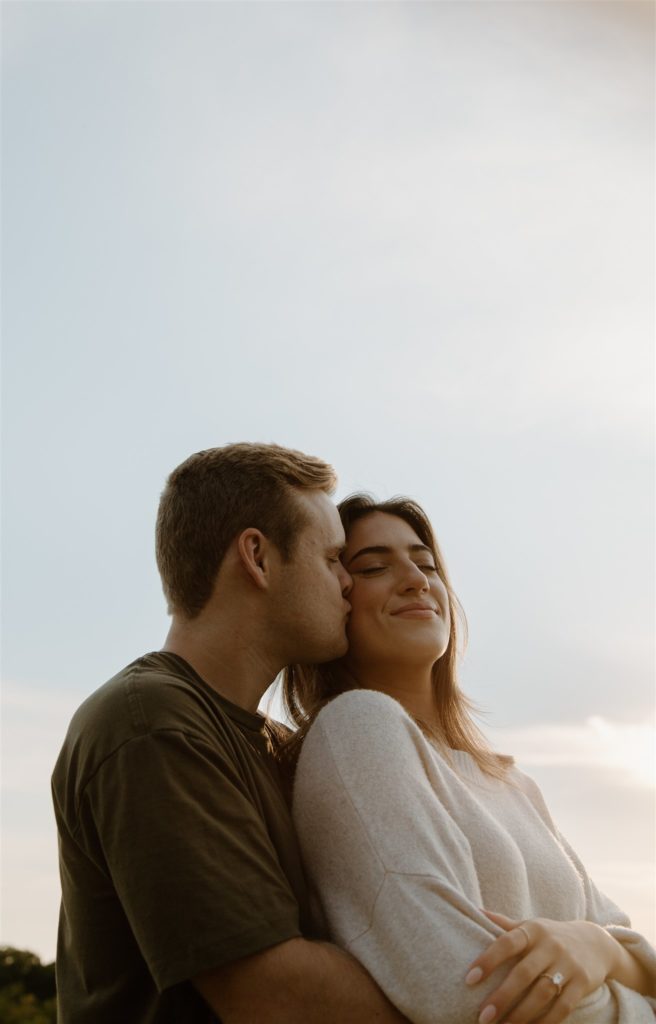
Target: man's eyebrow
point(381, 549)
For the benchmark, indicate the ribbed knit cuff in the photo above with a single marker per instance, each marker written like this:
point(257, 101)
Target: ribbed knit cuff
point(638, 947)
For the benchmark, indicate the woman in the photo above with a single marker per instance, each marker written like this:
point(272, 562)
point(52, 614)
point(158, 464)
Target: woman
point(418, 838)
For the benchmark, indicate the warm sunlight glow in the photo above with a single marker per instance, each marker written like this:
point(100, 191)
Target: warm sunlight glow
point(625, 747)
point(630, 748)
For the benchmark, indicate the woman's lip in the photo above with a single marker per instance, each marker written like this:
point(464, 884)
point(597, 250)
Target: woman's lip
point(416, 612)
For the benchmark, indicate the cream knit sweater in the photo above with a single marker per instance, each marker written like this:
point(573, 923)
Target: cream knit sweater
point(404, 848)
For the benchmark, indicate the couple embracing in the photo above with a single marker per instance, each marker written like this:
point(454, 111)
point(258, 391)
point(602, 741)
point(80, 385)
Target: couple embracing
point(380, 862)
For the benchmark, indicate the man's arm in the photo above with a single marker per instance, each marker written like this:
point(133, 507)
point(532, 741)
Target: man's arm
point(296, 982)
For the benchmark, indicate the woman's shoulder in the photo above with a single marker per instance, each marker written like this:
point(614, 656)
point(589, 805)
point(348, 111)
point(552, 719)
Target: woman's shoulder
point(361, 708)
point(361, 726)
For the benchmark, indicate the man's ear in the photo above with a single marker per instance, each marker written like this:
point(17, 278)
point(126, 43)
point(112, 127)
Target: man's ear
point(254, 552)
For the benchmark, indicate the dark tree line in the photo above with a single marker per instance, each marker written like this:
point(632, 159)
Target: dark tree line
point(27, 988)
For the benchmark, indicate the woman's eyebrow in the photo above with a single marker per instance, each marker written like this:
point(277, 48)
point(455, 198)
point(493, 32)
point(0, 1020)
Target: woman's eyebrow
point(380, 549)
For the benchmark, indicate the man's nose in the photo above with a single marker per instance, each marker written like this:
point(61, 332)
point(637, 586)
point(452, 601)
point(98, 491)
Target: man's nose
point(346, 581)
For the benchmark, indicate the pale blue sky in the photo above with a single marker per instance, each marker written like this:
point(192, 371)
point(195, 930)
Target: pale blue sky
point(414, 239)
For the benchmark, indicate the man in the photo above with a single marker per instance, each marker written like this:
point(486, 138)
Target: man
point(183, 897)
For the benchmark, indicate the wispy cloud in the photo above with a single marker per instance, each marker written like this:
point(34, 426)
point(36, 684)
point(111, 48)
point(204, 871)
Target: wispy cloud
point(628, 748)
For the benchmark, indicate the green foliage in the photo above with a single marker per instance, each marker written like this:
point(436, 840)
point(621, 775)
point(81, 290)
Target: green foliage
point(27, 988)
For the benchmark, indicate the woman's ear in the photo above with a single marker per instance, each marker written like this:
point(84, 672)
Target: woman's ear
point(253, 550)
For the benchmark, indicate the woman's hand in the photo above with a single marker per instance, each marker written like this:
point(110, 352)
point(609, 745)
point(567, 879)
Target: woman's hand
point(560, 962)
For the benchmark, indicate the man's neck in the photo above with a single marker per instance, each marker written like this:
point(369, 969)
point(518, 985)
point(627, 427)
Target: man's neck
point(230, 663)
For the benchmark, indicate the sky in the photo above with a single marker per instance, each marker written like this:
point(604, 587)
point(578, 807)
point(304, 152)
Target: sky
point(415, 239)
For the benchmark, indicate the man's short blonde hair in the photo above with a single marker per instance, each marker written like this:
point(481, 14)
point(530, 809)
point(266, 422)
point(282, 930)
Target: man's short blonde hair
point(216, 494)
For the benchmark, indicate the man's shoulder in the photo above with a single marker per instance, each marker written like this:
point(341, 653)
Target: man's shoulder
point(155, 693)
point(146, 694)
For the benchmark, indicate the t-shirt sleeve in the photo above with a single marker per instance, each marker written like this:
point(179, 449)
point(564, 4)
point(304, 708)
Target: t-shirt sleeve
point(188, 853)
point(394, 872)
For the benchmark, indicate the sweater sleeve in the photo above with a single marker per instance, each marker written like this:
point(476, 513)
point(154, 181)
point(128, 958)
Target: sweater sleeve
point(394, 873)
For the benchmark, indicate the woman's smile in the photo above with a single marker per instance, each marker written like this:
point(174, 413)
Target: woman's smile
point(415, 611)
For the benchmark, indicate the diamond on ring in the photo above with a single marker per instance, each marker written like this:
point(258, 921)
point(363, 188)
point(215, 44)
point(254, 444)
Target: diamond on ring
point(556, 979)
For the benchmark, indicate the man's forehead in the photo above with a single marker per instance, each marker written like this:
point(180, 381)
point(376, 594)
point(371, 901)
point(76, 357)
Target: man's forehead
point(322, 522)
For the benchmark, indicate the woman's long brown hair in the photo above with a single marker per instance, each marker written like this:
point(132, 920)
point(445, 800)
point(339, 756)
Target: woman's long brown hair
point(306, 689)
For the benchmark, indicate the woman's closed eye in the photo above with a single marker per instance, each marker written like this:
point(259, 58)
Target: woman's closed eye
point(372, 570)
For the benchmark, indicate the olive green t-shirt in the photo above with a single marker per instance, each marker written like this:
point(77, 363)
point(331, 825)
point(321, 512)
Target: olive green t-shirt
point(177, 852)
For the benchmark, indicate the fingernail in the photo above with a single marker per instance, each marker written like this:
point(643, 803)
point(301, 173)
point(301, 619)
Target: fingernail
point(488, 1015)
point(474, 976)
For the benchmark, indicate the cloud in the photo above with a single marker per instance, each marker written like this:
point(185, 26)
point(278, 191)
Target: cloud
point(627, 748)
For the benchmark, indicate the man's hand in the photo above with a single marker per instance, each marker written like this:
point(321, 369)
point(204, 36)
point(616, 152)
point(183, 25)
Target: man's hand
point(296, 982)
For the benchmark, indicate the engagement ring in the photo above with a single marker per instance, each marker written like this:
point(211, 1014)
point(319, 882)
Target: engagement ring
point(556, 979)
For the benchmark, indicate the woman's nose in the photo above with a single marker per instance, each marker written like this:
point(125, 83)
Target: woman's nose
point(414, 579)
